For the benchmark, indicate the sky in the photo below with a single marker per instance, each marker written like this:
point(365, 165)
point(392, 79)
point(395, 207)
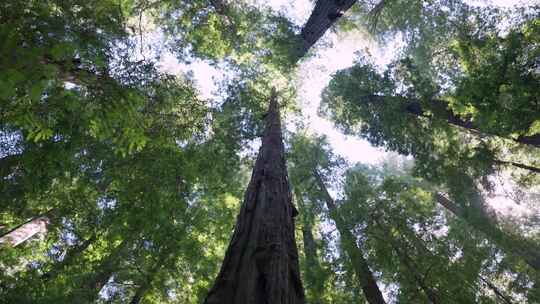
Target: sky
point(315, 73)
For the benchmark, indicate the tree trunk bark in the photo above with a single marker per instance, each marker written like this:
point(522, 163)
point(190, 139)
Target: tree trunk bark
point(478, 219)
point(314, 283)
point(323, 16)
point(27, 230)
point(366, 279)
point(261, 262)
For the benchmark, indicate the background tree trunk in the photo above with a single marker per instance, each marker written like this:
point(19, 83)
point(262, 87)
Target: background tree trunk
point(323, 16)
point(27, 230)
point(500, 294)
point(478, 219)
point(261, 262)
point(518, 165)
point(441, 112)
point(366, 278)
point(314, 282)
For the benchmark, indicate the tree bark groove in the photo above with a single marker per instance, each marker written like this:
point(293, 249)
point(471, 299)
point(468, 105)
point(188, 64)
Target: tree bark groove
point(261, 263)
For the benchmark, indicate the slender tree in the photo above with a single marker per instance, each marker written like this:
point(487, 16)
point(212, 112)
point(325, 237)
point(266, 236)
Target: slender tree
point(437, 109)
point(314, 279)
point(399, 220)
point(479, 218)
point(500, 294)
point(361, 267)
point(409, 264)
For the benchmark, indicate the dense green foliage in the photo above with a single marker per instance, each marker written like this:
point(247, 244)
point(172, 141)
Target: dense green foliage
point(420, 250)
point(140, 179)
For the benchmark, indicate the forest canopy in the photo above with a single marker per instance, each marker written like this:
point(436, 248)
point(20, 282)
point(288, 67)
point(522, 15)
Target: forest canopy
point(193, 152)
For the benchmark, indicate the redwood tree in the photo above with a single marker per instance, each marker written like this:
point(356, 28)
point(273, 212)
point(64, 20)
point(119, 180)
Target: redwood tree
point(324, 15)
point(261, 263)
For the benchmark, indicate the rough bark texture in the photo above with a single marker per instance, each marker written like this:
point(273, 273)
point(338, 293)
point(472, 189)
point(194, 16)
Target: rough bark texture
point(366, 279)
point(261, 262)
point(323, 16)
point(480, 220)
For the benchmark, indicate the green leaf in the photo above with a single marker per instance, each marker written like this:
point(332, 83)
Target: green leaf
point(36, 91)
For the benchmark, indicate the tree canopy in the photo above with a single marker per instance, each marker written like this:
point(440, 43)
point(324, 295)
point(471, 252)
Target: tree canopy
point(121, 181)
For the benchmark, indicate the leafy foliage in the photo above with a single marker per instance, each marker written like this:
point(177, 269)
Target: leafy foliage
point(140, 178)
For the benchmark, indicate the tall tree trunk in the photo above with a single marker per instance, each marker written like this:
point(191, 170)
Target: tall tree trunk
point(366, 279)
point(323, 16)
point(261, 262)
point(314, 283)
point(480, 220)
point(27, 230)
